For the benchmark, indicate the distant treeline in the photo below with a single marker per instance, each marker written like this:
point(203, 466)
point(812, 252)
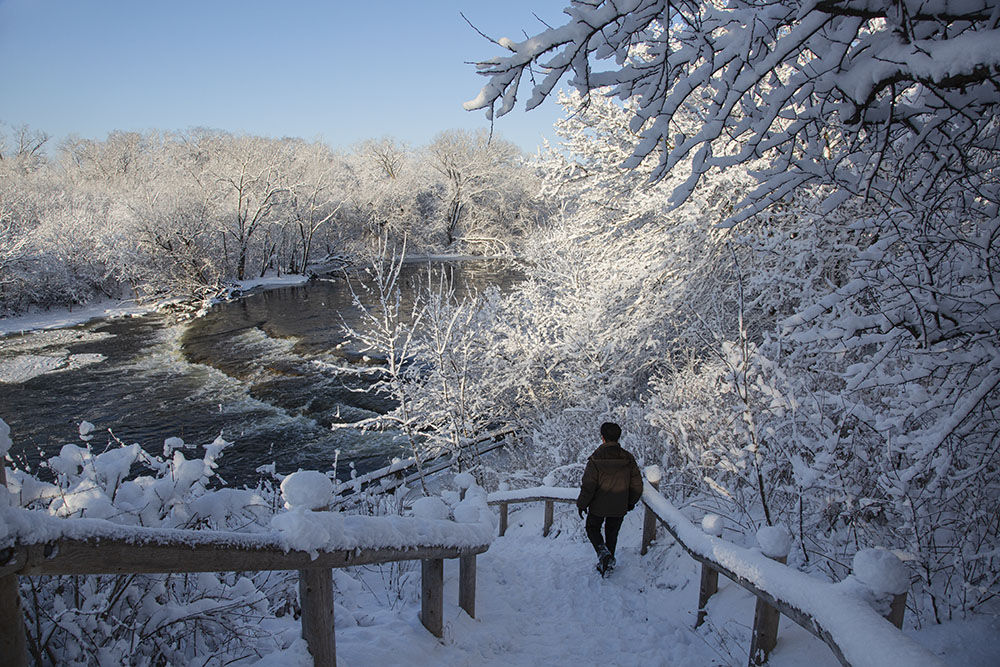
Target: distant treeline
point(160, 213)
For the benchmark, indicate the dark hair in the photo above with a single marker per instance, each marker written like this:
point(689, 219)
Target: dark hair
point(611, 431)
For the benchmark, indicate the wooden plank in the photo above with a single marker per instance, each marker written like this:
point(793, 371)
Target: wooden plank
point(503, 518)
point(429, 467)
point(11, 560)
point(547, 526)
point(764, 636)
point(467, 584)
point(13, 643)
point(709, 587)
point(765, 632)
point(649, 525)
point(432, 595)
point(897, 609)
point(118, 557)
point(316, 601)
point(797, 615)
point(530, 499)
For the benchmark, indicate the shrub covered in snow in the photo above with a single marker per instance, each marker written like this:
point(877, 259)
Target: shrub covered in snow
point(881, 571)
point(774, 541)
point(713, 524)
point(307, 489)
point(147, 619)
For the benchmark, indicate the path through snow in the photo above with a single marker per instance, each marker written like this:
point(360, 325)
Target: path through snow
point(539, 602)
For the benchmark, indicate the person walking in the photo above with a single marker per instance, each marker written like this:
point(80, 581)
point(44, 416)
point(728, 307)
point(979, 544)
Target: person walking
point(611, 487)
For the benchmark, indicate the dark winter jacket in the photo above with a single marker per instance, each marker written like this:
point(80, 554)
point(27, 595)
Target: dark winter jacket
point(612, 483)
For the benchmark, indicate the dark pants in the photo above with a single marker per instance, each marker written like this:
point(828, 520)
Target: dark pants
point(612, 524)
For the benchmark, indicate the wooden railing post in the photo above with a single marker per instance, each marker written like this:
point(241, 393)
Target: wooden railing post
point(432, 595)
point(547, 526)
point(709, 587)
point(649, 519)
point(503, 518)
point(897, 609)
point(467, 584)
point(885, 575)
point(712, 525)
point(316, 600)
point(776, 544)
point(13, 641)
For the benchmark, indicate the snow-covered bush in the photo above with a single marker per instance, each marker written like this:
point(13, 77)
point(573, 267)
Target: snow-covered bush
point(148, 619)
point(824, 354)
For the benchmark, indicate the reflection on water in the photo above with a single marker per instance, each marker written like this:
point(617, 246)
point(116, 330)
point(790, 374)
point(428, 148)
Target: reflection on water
point(246, 370)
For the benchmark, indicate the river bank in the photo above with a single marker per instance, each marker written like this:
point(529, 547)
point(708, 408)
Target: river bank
point(272, 370)
point(62, 318)
point(65, 317)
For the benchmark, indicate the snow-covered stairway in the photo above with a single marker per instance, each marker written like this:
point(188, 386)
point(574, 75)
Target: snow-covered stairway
point(541, 602)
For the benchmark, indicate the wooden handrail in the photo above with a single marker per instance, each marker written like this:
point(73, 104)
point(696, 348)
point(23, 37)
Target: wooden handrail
point(88, 546)
point(115, 549)
point(395, 475)
point(854, 631)
point(101, 556)
point(548, 494)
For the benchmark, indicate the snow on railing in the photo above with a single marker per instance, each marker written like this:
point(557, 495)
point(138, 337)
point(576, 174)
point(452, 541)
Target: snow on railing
point(306, 538)
point(549, 494)
point(398, 473)
point(840, 614)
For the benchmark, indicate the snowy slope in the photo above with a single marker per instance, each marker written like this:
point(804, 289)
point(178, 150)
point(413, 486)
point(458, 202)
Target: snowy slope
point(540, 602)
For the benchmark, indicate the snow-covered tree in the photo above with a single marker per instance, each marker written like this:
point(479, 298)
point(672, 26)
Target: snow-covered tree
point(480, 196)
point(826, 90)
point(862, 404)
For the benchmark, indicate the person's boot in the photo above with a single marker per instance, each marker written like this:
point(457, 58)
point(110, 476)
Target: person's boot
point(604, 557)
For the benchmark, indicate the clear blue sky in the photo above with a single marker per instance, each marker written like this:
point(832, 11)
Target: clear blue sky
point(338, 71)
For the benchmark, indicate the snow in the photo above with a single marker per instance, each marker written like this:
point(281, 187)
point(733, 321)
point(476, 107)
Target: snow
point(271, 281)
point(469, 511)
point(653, 474)
point(774, 541)
point(713, 524)
point(308, 531)
point(172, 444)
point(5, 442)
point(865, 637)
point(464, 480)
point(539, 602)
point(554, 492)
point(430, 507)
point(307, 489)
point(59, 318)
point(86, 428)
point(302, 530)
point(881, 570)
point(538, 599)
point(24, 367)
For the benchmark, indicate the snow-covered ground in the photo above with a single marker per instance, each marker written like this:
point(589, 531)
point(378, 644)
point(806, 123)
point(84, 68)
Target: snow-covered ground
point(60, 318)
point(540, 602)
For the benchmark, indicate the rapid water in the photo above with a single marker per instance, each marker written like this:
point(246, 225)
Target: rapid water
point(247, 370)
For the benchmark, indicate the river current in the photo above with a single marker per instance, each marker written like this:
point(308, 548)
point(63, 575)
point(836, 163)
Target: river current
point(247, 370)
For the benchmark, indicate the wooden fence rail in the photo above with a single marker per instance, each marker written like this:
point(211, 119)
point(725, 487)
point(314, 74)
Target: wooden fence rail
point(152, 551)
point(854, 631)
point(401, 473)
point(546, 494)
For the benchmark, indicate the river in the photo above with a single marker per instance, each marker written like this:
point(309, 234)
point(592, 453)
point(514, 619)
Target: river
point(246, 370)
